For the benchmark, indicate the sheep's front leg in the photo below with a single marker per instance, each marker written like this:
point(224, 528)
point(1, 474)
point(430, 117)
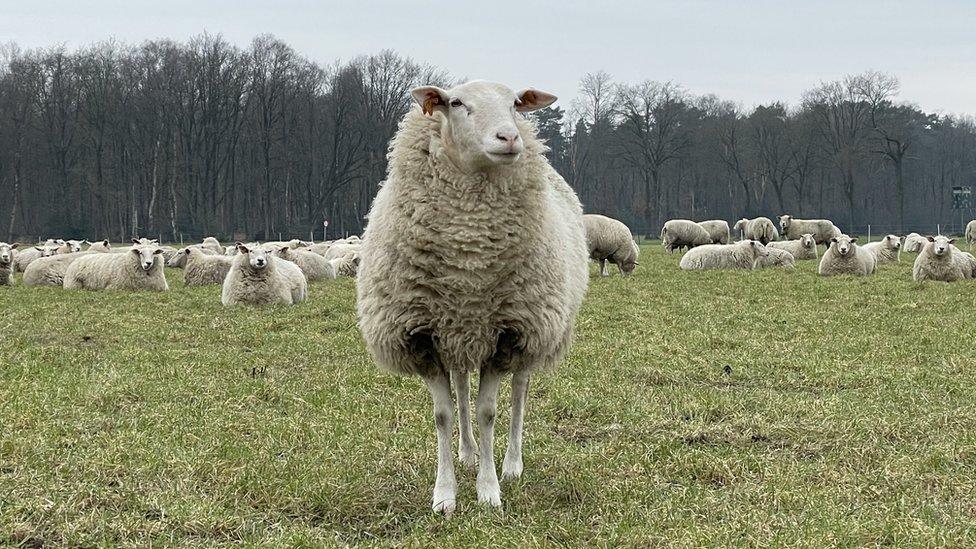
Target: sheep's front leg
point(488, 490)
point(603, 268)
point(512, 466)
point(466, 448)
point(445, 487)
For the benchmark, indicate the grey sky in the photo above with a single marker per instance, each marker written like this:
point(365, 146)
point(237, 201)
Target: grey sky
point(750, 52)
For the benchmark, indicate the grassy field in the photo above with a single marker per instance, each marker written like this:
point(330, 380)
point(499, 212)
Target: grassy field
point(848, 418)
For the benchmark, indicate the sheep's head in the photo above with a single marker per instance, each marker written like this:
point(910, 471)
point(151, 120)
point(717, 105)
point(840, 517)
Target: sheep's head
point(147, 256)
point(941, 245)
point(7, 253)
point(807, 241)
point(179, 258)
point(74, 245)
point(892, 242)
point(478, 124)
point(144, 241)
point(758, 248)
point(47, 251)
point(257, 257)
point(844, 244)
point(784, 222)
point(740, 225)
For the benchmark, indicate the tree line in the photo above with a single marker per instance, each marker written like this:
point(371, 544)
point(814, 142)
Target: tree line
point(202, 137)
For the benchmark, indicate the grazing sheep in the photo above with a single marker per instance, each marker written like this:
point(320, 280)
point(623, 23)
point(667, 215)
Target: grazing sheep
point(50, 271)
point(201, 268)
point(803, 248)
point(610, 240)
point(139, 268)
point(940, 260)
point(971, 233)
point(314, 266)
point(776, 257)
point(346, 265)
point(24, 257)
point(760, 228)
point(844, 256)
point(821, 229)
point(101, 246)
point(7, 253)
point(212, 244)
point(886, 250)
point(718, 230)
point(257, 277)
point(474, 259)
point(914, 243)
point(682, 233)
point(742, 255)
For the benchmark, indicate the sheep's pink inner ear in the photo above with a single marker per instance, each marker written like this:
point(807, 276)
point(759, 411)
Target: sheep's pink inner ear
point(529, 100)
point(430, 98)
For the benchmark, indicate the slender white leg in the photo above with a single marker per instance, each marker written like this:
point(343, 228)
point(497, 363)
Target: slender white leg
point(466, 448)
point(603, 268)
point(488, 490)
point(445, 487)
point(512, 466)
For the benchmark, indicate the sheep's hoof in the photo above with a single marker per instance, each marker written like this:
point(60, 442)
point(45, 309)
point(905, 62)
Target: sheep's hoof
point(443, 503)
point(511, 469)
point(489, 493)
point(468, 457)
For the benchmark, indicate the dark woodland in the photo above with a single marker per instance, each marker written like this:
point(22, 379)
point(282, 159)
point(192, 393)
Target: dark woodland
point(185, 139)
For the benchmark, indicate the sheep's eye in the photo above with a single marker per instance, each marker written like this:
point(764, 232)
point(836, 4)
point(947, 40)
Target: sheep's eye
point(456, 103)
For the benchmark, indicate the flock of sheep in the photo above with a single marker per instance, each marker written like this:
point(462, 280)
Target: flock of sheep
point(710, 246)
point(254, 274)
point(474, 260)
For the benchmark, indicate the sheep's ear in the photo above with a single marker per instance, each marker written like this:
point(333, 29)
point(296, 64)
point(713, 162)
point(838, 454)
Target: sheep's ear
point(86, 242)
point(38, 248)
point(135, 241)
point(157, 251)
point(105, 242)
point(135, 250)
point(834, 240)
point(931, 238)
point(529, 100)
point(854, 239)
point(242, 248)
point(14, 245)
point(430, 98)
point(952, 241)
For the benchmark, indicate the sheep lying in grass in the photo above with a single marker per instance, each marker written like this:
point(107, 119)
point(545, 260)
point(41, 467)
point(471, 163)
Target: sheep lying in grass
point(821, 229)
point(201, 268)
point(776, 258)
point(139, 268)
point(24, 257)
point(971, 233)
point(347, 265)
point(844, 256)
point(313, 266)
point(760, 228)
point(179, 257)
point(803, 248)
point(966, 261)
point(682, 233)
point(940, 260)
point(50, 271)
point(718, 230)
point(70, 246)
point(100, 246)
point(212, 244)
point(474, 259)
point(7, 253)
point(886, 250)
point(257, 277)
point(914, 243)
point(741, 255)
point(610, 240)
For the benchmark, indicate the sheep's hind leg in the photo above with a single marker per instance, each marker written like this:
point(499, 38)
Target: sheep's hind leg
point(445, 487)
point(512, 466)
point(603, 268)
point(488, 489)
point(467, 454)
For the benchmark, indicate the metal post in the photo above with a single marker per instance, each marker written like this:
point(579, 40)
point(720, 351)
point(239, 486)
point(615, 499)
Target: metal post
point(869, 232)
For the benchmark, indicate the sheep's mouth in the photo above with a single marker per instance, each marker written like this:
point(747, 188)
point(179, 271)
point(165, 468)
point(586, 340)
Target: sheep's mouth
point(504, 157)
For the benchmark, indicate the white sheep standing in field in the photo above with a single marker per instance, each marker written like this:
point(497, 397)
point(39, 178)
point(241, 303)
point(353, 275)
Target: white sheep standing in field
point(682, 233)
point(257, 277)
point(7, 253)
point(741, 255)
point(776, 258)
point(201, 268)
point(24, 257)
point(803, 248)
point(314, 266)
point(760, 228)
point(347, 265)
point(886, 250)
point(610, 240)
point(138, 268)
point(914, 243)
point(940, 260)
point(474, 259)
point(971, 233)
point(821, 229)
point(718, 230)
point(844, 256)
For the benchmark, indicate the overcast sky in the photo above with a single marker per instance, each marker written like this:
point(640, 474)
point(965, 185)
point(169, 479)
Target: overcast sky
point(750, 52)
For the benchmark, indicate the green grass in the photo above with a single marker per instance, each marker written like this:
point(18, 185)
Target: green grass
point(848, 419)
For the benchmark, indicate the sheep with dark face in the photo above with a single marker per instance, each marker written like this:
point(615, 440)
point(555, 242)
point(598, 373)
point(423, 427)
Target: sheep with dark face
point(474, 260)
point(844, 256)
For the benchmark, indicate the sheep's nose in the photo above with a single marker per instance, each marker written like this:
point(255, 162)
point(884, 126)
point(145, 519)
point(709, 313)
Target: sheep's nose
point(507, 136)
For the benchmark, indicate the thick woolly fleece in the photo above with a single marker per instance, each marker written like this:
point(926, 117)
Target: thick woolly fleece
point(610, 240)
point(461, 271)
